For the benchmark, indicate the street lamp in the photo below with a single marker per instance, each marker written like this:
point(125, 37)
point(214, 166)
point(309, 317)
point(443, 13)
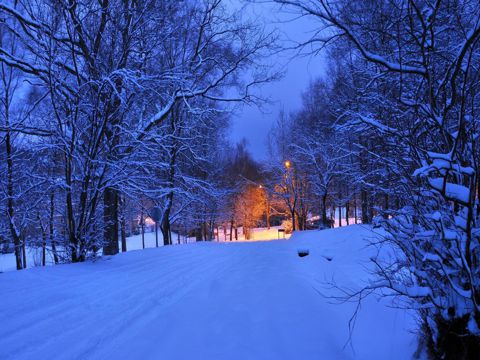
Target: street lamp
point(288, 164)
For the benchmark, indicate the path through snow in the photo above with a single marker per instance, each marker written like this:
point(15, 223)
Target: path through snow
point(203, 301)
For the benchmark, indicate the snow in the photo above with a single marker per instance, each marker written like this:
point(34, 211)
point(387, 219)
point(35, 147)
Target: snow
point(453, 191)
point(256, 234)
point(239, 300)
point(376, 124)
point(442, 163)
point(34, 255)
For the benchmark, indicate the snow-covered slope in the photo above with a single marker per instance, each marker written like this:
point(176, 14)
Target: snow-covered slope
point(256, 300)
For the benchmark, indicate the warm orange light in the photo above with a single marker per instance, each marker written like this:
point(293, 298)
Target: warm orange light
point(260, 186)
point(149, 221)
point(288, 164)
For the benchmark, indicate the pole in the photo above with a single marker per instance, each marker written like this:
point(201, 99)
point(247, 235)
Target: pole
point(143, 234)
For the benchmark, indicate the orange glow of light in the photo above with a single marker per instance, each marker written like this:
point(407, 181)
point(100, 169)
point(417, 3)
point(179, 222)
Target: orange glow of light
point(149, 221)
point(288, 164)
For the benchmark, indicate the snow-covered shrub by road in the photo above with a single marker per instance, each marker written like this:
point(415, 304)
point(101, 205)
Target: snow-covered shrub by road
point(405, 98)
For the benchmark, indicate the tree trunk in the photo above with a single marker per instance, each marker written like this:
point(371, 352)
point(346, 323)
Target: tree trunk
point(10, 200)
point(347, 209)
point(111, 195)
point(332, 216)
point(355, 209)
point(24, 252)
point(110, 218)
point(44, 246)
point(52, 228)
point(123, 222)
point(293, 220)
point(72, 239)
point(205, 230)
point(123, 231)
point(211, 230)
point(199, 233)
point(340, 216)
point(142, 226)
point(165, 225)
point(165, 229)
point(324, 210)
point(386, 206)
point(370, 208)
point(268, 212)
point(364, 204)
point(43, 229)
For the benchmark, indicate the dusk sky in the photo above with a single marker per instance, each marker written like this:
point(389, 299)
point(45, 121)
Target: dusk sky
point(253, 123)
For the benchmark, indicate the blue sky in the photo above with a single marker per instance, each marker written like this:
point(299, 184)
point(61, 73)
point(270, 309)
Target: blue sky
point(253, 124)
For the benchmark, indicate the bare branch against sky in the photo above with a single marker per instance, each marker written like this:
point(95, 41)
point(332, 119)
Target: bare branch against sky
point(253, 123)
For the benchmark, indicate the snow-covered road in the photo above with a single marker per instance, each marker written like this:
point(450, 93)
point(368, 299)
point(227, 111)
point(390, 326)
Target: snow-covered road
point(203, 301)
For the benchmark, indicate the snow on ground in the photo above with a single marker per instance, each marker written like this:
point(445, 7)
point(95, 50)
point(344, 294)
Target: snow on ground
point(34, 255)
point(267, 234)
point(34, 258)
point(135, 242)
point(240, 300)
point(256, 234)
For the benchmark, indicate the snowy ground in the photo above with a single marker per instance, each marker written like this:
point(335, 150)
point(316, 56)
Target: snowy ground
point(34, 255)
point(256, 234)
point(242, 300)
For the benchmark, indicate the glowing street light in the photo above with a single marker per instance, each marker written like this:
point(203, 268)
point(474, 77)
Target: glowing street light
point(288, 164)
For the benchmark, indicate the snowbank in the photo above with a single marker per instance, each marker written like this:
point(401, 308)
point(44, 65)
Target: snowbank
point(242, 300)
point(34, 255)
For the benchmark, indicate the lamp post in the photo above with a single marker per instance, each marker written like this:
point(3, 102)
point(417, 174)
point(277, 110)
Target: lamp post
point(292, 201)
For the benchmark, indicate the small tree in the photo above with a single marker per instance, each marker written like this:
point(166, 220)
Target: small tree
point(249, 208)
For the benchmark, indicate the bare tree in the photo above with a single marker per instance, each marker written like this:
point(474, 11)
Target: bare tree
point(420, 96)
point(115, 72)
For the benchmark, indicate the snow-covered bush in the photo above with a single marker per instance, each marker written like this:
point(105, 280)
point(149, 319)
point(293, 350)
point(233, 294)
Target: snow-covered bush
point(414, 68)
